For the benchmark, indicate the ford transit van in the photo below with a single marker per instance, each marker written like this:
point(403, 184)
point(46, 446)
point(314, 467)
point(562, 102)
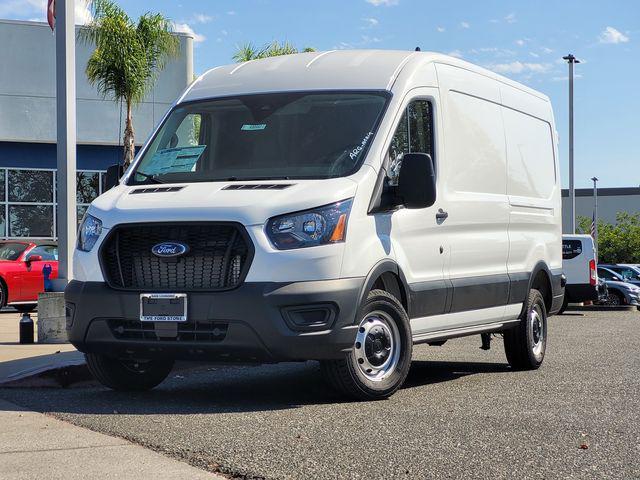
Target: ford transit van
point(339, 206)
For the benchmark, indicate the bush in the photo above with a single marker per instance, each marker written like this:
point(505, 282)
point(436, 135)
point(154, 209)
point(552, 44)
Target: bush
point(619, 243)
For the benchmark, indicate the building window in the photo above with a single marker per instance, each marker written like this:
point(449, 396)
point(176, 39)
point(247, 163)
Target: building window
point(28, 200)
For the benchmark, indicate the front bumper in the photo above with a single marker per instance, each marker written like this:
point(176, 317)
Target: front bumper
point(256, 322)
point(632, 298)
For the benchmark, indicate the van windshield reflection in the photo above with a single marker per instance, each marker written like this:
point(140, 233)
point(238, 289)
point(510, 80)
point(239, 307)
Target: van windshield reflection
point(263, 137)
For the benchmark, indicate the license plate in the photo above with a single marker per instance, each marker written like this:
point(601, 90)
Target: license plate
point(163, 307)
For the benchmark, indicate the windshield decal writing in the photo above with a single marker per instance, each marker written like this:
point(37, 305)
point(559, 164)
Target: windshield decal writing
point(252, 127)
point(356, 151)
point(180, 159)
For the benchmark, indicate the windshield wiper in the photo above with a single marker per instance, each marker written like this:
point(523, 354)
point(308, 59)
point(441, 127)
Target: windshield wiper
point(154, 178)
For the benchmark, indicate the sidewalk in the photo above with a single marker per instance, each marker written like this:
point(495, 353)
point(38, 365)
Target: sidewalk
point(20, 361)
point(33, 445)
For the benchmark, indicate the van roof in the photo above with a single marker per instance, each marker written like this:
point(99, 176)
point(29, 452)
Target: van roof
point(330, 70)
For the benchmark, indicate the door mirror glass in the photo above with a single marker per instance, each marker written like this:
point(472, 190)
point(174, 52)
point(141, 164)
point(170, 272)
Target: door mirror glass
point(112, 177)
point(416, 181)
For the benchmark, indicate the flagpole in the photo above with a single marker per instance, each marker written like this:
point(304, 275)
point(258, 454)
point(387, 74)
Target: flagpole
point(595, 213)
point(66, 137)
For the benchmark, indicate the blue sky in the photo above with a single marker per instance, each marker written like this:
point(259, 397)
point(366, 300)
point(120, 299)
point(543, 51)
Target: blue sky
point(524, 40)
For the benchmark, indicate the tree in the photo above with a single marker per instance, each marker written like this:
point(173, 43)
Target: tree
point(619, 243)
point(127, 58)
point(248, 51)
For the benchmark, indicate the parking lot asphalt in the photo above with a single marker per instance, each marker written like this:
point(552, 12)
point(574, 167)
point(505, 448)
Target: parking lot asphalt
point(462, 414)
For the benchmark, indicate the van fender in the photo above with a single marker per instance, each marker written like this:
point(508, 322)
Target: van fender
point(554, 279)
point(379, 269)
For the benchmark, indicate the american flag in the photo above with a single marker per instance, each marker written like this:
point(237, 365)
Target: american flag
point(51, 13)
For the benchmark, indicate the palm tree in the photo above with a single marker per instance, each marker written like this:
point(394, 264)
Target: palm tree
point(127, 58)
point(248, 51)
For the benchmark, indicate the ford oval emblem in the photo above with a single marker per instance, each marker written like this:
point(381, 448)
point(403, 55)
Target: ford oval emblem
point(169, 249)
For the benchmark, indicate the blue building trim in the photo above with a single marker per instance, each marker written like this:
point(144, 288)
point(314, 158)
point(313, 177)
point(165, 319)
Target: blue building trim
point(43, 155)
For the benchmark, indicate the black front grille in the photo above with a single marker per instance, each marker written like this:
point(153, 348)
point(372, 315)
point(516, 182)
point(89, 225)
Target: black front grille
point(208, 332)
point(218, 257)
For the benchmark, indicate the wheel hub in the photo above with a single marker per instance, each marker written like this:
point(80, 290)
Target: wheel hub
point(377, 345)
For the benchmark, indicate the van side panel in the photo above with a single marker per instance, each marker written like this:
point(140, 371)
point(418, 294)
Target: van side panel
point(474, 190)
point(533, 187)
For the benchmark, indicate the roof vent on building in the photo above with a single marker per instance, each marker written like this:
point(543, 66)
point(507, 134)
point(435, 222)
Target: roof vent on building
point(157, 189)
point(258, 186)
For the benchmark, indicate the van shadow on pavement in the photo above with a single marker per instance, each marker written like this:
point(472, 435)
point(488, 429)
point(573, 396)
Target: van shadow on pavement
point(226, 390)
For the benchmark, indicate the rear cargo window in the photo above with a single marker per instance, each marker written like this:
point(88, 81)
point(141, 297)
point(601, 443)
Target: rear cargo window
point(571, 249)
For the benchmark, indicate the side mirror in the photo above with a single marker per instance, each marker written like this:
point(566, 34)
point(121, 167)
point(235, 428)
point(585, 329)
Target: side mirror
point(417, 181)
point(111, 179)
point(34, 258)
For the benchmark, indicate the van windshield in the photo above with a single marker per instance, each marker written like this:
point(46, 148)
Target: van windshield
point(265, 136)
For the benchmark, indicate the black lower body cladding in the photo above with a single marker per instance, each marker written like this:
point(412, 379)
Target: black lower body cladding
point(256, 322)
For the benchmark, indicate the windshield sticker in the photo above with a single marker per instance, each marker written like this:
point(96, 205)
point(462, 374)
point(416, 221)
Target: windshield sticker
point(173, 160)
point(256, 126)
point(356, 151)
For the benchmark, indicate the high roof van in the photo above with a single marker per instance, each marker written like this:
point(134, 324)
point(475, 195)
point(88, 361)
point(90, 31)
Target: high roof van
point(340, 206)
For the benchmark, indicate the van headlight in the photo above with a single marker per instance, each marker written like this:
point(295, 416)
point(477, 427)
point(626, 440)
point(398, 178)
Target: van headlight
point(318, 226)
point(90, 230)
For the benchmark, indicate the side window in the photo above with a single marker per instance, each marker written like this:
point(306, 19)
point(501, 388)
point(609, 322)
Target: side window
point(47, 252)
point(606, 274)
point(413, 135)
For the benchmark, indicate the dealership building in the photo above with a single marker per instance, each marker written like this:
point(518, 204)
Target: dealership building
point(28, 126)
point(610, 202)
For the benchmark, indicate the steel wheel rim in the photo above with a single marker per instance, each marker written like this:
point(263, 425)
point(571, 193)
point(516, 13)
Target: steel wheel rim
point(536, 326)
point(377, 346)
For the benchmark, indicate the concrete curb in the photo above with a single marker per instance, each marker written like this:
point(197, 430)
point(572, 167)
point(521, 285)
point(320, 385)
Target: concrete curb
point(57, 369)
point(601, 308)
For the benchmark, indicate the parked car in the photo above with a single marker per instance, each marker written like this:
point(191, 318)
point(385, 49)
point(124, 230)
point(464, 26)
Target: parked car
point(630, 273)
point(338, 206)
point(579, 266)
point(21, 272)
point(620, 292)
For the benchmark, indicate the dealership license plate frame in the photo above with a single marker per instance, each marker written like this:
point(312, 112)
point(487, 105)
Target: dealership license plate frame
point(174, 312)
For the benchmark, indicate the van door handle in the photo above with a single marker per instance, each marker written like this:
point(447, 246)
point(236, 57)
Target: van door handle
point(441, 215)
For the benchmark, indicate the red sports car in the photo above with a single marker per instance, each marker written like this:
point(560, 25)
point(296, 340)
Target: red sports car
point(22, 267)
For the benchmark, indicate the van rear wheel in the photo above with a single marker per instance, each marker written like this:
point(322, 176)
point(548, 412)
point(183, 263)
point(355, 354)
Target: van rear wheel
point(525, 345)
point(128, 374)
point(381, 356)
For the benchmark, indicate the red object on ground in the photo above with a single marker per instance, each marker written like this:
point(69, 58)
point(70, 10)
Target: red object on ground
point(21, 264)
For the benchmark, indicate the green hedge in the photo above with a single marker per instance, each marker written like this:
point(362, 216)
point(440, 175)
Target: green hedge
point(619, 243)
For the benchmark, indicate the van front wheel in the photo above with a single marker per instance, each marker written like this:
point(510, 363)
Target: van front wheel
point(525, 345)
point(129, 374)
point(381, 356)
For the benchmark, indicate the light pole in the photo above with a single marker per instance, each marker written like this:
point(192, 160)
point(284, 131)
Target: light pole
point(572, 192)
point(66, 137)
point(595, 213)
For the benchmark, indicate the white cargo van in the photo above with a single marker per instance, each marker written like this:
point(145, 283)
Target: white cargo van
point(338, 206)
point(580, 269)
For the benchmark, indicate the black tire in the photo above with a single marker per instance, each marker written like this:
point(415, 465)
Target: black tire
point(522, 343)
point(3, 294)
point(565, 304)
point(128, 375)
point(28, 308)
point(348, 375)
point(614, 299)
